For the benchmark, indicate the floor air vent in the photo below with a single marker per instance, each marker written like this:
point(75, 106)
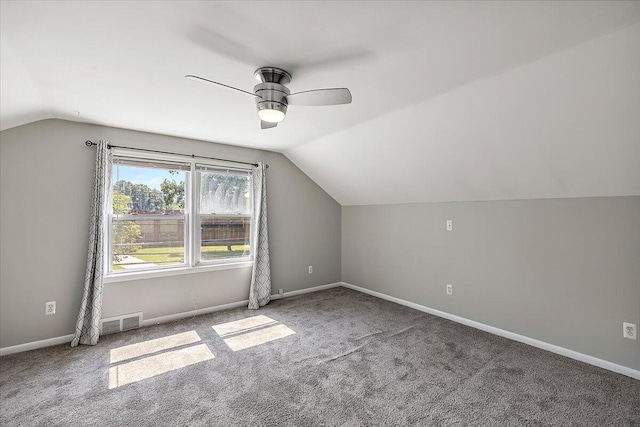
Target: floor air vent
point(120, 323)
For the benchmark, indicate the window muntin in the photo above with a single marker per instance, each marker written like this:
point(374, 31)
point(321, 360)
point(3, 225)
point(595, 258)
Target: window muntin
point(152, 201)
point(224, 214)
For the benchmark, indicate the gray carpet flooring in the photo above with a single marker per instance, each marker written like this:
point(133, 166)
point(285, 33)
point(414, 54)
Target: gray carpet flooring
point(330, 358)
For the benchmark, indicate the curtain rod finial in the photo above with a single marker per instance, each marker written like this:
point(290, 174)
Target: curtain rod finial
point(88, 143)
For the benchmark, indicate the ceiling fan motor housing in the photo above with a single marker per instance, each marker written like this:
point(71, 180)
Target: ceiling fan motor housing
point(272, 96)
point(272, 91)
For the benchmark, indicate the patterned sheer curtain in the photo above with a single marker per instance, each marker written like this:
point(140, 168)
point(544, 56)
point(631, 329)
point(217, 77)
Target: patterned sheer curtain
point(260, 290)
point(88, 324)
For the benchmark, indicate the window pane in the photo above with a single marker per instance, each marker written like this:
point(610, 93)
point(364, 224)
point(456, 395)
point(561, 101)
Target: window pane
point(147, 243)
point(225, 192)
point(224, 237)
point(148, 190)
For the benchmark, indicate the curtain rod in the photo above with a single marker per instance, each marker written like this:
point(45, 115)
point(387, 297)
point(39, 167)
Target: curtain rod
point(90, 143)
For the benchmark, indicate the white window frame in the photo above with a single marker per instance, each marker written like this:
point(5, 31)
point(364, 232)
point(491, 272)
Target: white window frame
point(191, 216)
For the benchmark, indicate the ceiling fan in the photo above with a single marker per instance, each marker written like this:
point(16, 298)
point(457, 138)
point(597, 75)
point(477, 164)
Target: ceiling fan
point(272, 96)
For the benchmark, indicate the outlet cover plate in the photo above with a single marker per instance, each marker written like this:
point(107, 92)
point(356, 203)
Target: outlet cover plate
point(629, 330)
point(50, 308)
point(449, 289)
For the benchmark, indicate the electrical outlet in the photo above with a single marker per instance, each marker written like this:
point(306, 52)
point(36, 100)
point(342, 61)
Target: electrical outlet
point(281, 292)
point(50, 308)
point(629, 331)
point(449, 289)
point(310, 269)
point(449, 225)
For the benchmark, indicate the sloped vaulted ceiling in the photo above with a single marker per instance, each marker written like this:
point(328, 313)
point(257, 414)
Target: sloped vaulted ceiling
point(567, 125)
point(452, 100)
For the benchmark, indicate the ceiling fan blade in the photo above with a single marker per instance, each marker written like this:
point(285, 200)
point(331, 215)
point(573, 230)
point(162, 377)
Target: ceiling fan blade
point(196, 78)
point(267, 125)
point(334, 96)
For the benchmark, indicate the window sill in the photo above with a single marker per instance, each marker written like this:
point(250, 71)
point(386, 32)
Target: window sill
point(142, 275)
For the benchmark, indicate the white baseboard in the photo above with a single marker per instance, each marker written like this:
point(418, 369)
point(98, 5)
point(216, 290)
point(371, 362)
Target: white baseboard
point(36, 344)
point(192, 313)
point(307, 290)
point(162, 319)
point(501, 332)
point(207, 310)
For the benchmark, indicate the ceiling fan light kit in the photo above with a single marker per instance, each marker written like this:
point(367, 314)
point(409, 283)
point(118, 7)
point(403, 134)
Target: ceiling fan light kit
point(272, 112)
point(273, 97)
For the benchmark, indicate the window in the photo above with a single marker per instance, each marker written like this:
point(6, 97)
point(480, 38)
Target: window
point(224, 214)
point(167, 213)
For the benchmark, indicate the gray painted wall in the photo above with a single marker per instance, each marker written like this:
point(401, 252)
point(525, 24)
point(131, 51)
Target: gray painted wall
point(45, 192)
point(563, 271)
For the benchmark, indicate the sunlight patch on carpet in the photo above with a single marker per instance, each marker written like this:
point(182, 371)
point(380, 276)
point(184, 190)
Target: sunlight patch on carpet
point(153, 346)
point(152, 366)
point(250, 332)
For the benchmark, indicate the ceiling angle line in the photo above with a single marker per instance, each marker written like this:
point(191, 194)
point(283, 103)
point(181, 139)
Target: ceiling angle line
point(90, 143)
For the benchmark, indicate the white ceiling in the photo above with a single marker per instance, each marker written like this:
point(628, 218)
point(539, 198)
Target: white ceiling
point(452, 100)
